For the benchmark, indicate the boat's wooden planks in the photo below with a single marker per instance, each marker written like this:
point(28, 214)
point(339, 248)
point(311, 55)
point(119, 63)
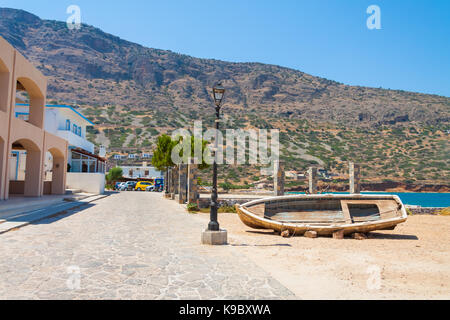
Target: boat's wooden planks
point(318, 216)
point(259, 209)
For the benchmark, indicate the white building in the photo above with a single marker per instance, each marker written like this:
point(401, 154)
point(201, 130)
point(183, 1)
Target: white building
point(141, 172)
point(69, 124)
point(120, 157)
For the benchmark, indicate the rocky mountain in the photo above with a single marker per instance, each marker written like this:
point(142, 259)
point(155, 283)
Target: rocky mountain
point(88, 66)
point(133, 94)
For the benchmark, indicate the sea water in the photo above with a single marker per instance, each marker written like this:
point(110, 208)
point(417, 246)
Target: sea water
point(426, 200)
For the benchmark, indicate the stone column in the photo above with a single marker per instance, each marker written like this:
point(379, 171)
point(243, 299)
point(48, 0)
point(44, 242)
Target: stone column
point(176, 172)
point(312, 175)
point(173, 182)
point(192, 183)
point(59, 176)
point(182, 183)
point(278, 178)
point(33, 174)
point(167, 182)
point(354, 173)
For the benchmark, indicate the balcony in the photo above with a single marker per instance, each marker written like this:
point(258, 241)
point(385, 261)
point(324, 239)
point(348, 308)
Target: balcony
point(76, 141)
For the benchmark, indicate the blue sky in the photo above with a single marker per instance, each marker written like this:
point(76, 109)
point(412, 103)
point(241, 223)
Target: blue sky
point(324, 38)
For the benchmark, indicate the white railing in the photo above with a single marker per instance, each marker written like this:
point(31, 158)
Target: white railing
point(76, 140)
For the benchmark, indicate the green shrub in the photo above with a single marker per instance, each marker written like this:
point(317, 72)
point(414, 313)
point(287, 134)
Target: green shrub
point(193, 207)
point(114, 174)
point(227, 209)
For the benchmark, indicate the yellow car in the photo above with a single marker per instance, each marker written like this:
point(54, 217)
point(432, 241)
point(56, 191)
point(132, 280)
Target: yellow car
point(141, 186)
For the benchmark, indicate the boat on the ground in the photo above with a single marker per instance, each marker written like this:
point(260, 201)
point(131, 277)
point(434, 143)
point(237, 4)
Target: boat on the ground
point(325, 214)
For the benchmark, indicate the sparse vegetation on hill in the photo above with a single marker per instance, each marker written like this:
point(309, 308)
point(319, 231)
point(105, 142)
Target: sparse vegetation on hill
point(134, 94)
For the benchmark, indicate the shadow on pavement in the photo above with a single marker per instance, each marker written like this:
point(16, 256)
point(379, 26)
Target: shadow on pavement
point(62, 214)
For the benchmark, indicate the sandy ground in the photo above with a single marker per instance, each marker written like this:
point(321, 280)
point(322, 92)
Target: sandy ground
point(411, 262)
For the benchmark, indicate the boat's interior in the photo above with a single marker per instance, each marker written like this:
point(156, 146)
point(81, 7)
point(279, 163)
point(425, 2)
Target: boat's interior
point(325, 211)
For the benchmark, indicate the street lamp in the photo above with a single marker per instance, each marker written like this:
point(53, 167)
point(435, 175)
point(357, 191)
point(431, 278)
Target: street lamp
point(218, 92)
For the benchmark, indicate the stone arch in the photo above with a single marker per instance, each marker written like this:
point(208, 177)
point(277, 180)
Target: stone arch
point(37, 100)
point(31, 186)
point(58, 183)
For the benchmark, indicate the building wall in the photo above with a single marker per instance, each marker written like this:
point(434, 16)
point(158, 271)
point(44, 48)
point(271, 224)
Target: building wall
point(58, 148)
point(87, 182)
point(6, 69)
point(64, 114)
point(140, 172)
point(62, 121)
point(14, 69)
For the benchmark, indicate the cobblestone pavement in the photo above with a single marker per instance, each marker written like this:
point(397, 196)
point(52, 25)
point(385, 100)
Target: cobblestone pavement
point(126, 246)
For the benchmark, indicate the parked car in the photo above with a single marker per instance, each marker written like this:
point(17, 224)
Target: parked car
point(128, 186)
point(142, 185)
point(155, 188)
point(118, 185)
point(159, 183)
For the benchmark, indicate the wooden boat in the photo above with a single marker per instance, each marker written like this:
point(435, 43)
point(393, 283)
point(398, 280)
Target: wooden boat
point(324, 214)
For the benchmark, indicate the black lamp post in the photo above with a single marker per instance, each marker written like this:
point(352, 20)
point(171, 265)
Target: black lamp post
point(213, 225)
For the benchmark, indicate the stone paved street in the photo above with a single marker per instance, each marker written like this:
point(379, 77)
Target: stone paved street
point(127, 246)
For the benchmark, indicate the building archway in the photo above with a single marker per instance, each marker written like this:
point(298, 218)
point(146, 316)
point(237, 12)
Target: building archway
point(58, 165)
point(25, 169)
point(35, 98)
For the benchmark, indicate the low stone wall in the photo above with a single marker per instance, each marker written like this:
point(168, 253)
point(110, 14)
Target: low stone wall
point(205, 203)
point(422, 211)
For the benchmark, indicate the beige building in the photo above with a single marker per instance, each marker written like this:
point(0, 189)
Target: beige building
point(17, 74)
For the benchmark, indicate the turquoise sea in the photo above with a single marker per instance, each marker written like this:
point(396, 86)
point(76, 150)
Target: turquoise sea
point(426, 200)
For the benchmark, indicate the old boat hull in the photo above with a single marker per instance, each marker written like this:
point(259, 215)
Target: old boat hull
point(325, 214)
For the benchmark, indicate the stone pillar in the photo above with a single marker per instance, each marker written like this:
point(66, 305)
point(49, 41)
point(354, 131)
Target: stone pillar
point(166, 180)
point(182, 183)
point(33, 174)
point(58, 176)
point(192, 183)
point(175, 174)
point(172, 184)
point(167, 183)
point(312, 175)
point(278, 178)
point(354, 173)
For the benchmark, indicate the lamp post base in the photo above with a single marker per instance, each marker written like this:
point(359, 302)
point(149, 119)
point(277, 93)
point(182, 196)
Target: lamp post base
point(215, 238)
